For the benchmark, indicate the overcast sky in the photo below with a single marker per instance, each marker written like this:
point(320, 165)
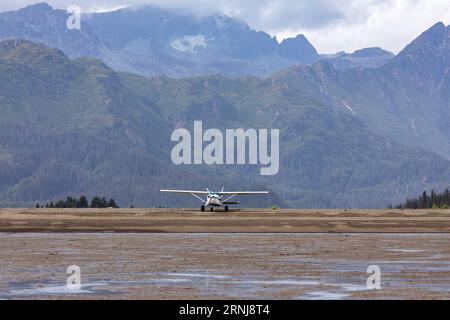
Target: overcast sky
point(330, 25)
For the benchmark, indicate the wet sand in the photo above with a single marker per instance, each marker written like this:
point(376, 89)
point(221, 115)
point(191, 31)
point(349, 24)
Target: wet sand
point(236, 221)
point(224, 266)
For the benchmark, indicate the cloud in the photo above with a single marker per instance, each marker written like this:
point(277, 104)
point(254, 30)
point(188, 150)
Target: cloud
point(331, 25)
point(271, 14)
point(388, 24)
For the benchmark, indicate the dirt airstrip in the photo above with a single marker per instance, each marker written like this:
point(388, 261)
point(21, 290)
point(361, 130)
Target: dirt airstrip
point(238, 221)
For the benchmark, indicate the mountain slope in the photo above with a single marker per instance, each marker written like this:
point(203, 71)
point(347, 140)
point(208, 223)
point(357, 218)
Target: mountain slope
point(406, 99)
point(410, 93)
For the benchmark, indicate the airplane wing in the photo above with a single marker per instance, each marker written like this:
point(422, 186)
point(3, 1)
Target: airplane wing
point(185, 191)
point(243, 193)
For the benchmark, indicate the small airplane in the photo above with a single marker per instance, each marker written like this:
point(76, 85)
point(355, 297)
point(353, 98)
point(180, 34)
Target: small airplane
point(216, 199)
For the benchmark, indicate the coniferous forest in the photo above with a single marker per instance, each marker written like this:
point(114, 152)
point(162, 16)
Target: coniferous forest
point(428, 201)
point(82, 202)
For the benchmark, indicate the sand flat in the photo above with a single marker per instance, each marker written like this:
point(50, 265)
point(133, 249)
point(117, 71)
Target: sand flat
point(224, 266)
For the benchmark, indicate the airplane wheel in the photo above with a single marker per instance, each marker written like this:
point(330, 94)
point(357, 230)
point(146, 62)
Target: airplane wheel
point(202, 208)
point(211, 209)
point(226, 208)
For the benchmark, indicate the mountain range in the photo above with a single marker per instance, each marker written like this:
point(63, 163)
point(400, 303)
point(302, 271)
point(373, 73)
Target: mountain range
point(350, 136)
point(152, 41)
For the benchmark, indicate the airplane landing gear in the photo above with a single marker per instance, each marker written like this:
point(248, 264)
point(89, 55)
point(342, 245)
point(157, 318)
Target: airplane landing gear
point(202, 208)
point(211, 209)
point(226, 208)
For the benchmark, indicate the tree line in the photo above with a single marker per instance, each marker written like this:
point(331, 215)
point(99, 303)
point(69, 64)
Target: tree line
point(81, 202)
point(425, 201)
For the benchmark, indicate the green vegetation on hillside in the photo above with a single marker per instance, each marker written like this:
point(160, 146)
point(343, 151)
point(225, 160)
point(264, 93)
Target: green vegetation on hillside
point(77, 127)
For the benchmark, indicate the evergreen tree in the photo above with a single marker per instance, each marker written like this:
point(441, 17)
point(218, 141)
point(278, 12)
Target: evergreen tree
point(95, 202)
point(423, 201)
point(104, 203)
point(83, 203)
point(112, 204)
point(433, 203)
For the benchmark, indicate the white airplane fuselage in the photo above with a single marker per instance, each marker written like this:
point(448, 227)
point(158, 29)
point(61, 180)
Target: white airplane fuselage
point(213, 200)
